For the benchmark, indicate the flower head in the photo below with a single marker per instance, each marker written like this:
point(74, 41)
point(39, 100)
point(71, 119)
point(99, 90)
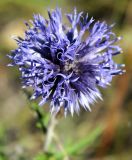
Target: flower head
point(61, 65)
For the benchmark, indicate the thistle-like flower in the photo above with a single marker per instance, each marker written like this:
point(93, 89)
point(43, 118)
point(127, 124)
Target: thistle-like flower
point(61, 65)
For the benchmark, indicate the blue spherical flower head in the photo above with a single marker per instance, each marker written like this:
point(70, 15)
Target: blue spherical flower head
point(61, 65)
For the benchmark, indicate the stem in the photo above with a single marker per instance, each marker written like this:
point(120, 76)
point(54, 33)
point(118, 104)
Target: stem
point(40, 117)
point(50, 133)
point(40, 120)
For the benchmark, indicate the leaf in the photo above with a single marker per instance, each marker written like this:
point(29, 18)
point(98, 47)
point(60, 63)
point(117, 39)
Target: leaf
point(44, 156)
point(83, 143)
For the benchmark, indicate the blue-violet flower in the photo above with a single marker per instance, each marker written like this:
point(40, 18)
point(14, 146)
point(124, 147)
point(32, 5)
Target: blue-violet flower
point(62, 64)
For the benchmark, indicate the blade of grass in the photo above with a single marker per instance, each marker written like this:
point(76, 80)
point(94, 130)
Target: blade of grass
point(83, 143)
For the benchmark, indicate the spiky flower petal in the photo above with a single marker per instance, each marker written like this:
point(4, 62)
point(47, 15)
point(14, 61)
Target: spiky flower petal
point(61, 65)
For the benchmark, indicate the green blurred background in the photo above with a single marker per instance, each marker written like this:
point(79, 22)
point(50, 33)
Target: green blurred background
point(20, 139)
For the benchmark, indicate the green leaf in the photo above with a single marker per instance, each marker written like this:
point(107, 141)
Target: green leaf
point(46, 156)
point(83, 143)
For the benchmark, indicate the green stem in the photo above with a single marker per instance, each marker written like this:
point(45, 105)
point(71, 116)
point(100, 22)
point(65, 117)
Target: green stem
point(40, 117)
point(40, 120)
